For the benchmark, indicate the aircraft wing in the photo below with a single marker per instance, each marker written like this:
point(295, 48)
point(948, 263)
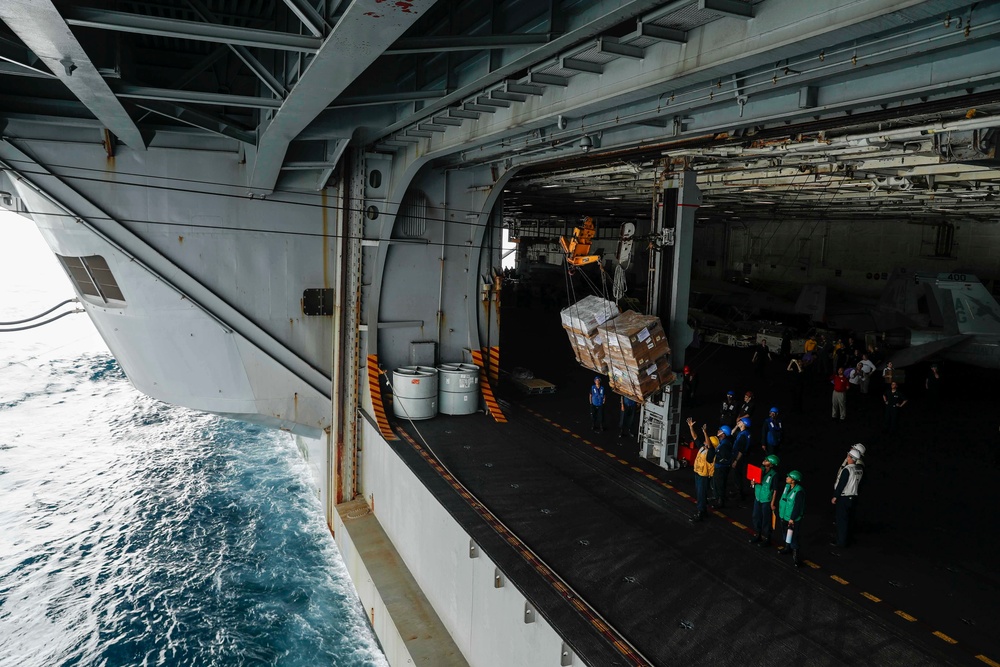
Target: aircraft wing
point(917, 353)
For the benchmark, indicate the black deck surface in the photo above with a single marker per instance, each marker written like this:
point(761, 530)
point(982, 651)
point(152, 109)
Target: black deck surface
point(616, 527)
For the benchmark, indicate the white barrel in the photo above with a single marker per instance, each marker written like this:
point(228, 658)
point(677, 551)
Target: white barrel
point(415, 392)
point(458, 389)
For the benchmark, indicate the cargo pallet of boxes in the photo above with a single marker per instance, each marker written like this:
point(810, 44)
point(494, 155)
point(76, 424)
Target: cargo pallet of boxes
point(630, 348)
point(581, 321)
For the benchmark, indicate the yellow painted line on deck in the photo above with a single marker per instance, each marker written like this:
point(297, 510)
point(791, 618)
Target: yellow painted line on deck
point(577, 435)
point(600, 449)
point(565, 430)
point(991, 663)
point(871, 597)
point(623, 461)
point(683, 495)
point(811, 564)
point(719, 514)
point(611, 454)
point(839, 580)
point(941, 635)
point(903, 614)
point(637, 468)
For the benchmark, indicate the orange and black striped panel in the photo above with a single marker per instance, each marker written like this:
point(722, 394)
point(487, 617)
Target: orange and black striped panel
point(376, 390)
point(494, 363)
point(484, 386)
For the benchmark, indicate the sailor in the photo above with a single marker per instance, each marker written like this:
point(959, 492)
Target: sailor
point(596, 400)
point(765, 501)
point(791, 508)
point(627, 417)
point(723, 460)
point(772, 433)
point(845, 491)
point(704, 468)
point(727, 415)
point(741, 453)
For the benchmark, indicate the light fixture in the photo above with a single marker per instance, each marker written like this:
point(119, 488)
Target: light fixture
point(586, 143)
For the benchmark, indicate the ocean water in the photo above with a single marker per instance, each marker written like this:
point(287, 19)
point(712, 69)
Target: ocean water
point(138, 533)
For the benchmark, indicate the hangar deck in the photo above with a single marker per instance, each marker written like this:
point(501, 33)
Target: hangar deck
point(915, 589)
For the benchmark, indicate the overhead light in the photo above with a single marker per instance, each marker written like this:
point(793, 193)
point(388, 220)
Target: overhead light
point(614, 197)
point(586, 143)
point(551, 185)
point(527, 204)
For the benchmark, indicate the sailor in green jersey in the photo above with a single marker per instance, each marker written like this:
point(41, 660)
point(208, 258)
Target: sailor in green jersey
point(791, 507)
point(765, 501)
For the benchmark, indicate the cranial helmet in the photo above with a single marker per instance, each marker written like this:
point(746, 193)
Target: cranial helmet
point(774, 410)
point(746, 421)
point(726, 429)
point(854, 454)
point(730, 393)
point(861, 448)
point(773, 460)
point(796, 475)
point(715, 441)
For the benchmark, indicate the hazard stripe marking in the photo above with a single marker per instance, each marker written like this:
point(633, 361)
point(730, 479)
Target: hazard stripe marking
point(812, 564)
point(375, 389)
point(941, 635)
point(991, 663)
point(903, 614)
point(839, 580)
point(740, 525)
point(487, 390)
point(871, 597)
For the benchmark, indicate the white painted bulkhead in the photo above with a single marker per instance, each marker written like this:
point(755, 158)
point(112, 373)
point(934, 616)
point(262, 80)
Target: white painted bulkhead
point(486, 623)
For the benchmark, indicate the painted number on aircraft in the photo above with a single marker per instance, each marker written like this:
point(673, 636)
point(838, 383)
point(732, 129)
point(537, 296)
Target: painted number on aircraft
point(956, 276)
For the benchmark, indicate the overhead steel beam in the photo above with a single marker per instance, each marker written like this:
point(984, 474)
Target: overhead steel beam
point(42, 29)
point(600, 21)
point(388, 98)
point(199, 119)
point(17, 68)
point(578, 65)
point(413, 45)
point(365, 30)
point(195, 97)
point(308, 15)
point(242, 52)
point(194, 30)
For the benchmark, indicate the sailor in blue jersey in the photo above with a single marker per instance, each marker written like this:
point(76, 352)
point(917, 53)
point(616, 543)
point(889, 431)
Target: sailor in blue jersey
point(771, 437)
point(596, 399)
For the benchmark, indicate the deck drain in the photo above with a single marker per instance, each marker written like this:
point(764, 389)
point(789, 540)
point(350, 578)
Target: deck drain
point(630, 580)
point(546, 510)
point(467, 447)
point(488, 465)
point(515, 486)
point(584, 543)
point(687, 625)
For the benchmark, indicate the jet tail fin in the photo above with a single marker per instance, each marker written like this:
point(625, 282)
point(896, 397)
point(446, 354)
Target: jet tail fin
point(976, 311)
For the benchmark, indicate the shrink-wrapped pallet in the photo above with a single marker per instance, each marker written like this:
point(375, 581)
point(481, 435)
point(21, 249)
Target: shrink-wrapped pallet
point(581, 321)
point(637, 354)
point(587, 314)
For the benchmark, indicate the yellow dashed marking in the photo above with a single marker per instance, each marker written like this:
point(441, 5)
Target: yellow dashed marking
point(871, 597)
point(611, 454)
point(651, 476)
point(577, 435)
point(903, 614)
point(839, 580)
point(600, 449)
point(588, 442)
point(565, 430)
point(623, 461)
point(683, 495)
point(811, 564)
point(637, 468)
point(739, 525)
point(718, 514)
point(991, 663)
point(669, 486)
point(941, 635)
